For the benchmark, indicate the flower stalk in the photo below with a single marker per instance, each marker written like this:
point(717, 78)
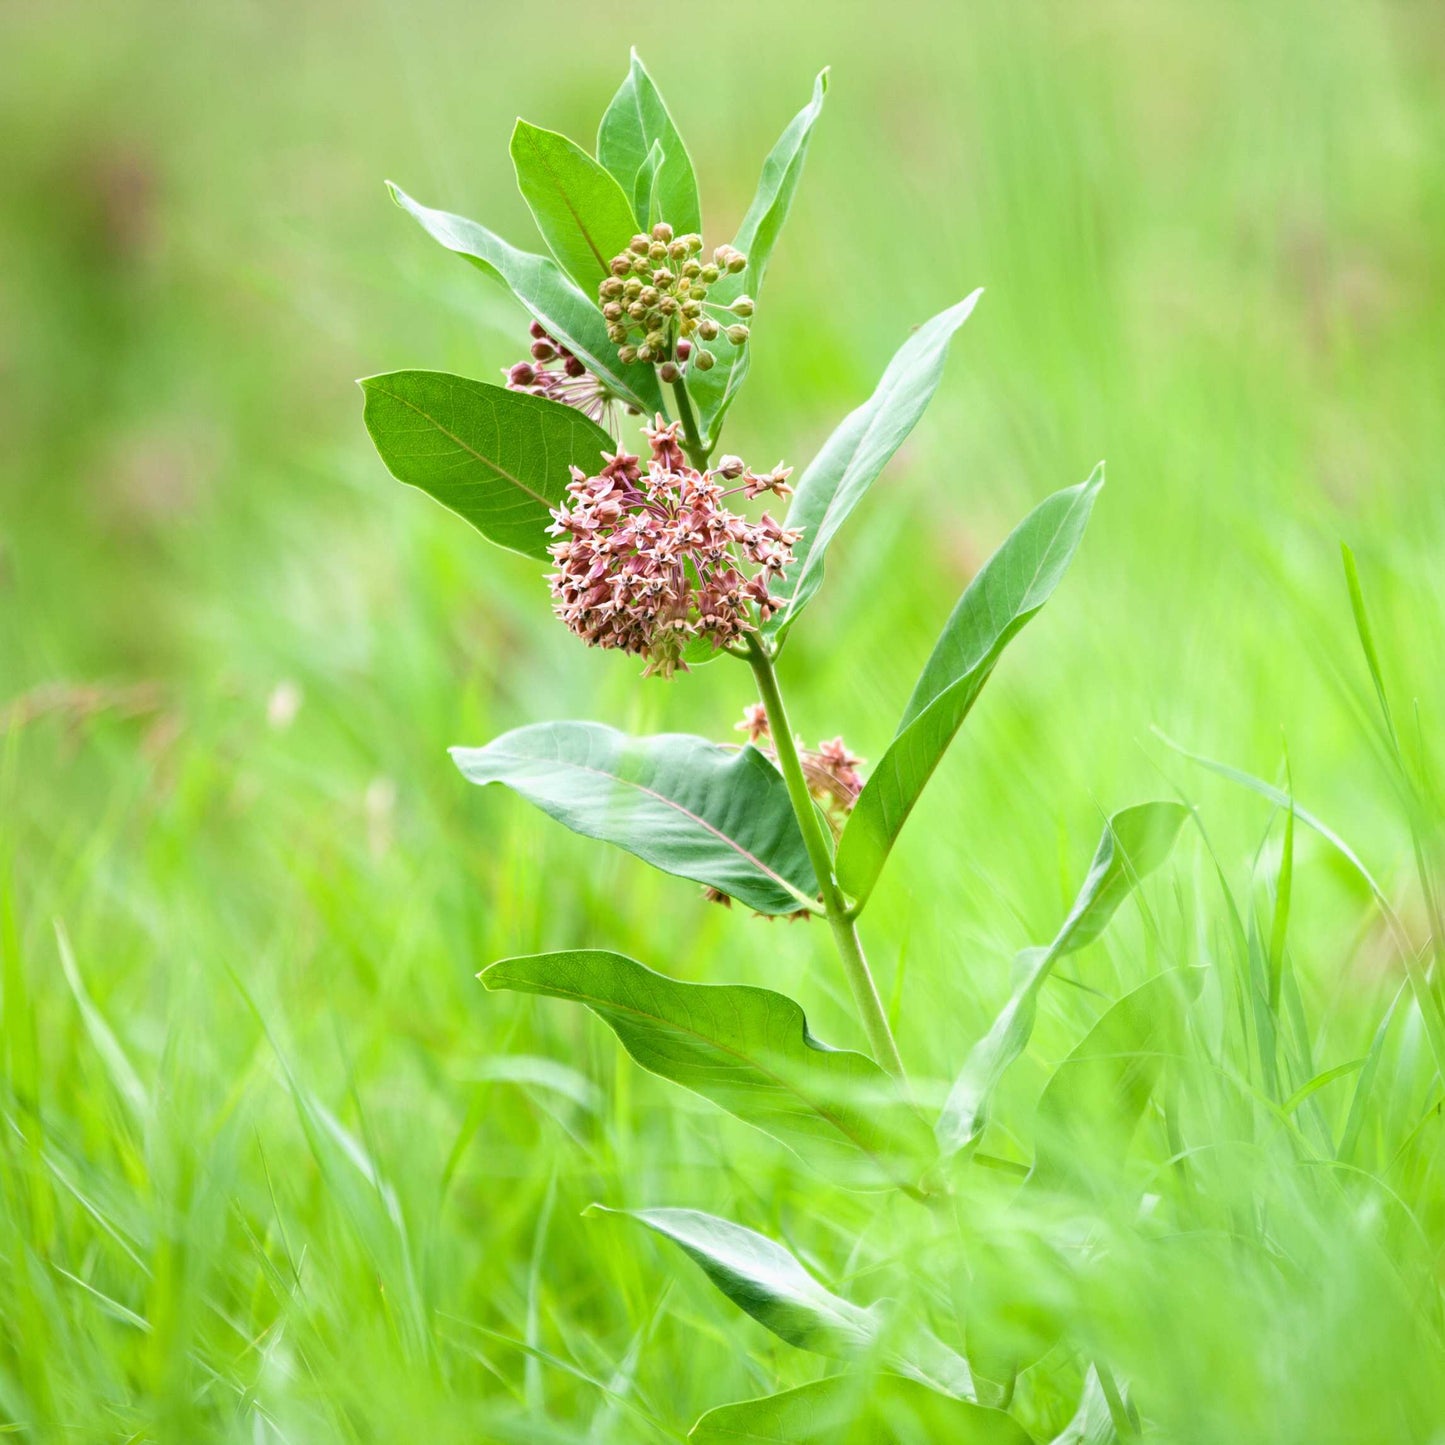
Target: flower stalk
point(820, 851)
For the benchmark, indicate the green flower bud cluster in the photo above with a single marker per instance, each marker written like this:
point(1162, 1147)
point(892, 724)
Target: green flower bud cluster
point(655, 301)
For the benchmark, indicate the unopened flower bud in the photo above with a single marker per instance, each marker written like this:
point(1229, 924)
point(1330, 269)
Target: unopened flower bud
point(743, 307)
point(738, 334)
point(691, 270)
point(731, 467)
point(684, 349)
point(640, 243)
point(657, 340)
point(613, 311)
point(537, 331)
point(632, 288)
point(657, 252)
point(662, 278)
point(650, 296)
point(703, 360)
point(627, 355)
point(543, 350)
point(617, 333)
point(708, 329)
point(668, 306)
point(662, 232)
point(620, 266)
point(668, 372)
point(644, 353)
point(678, 250)
point(638, 310)
point(610, 289)
point(574, 368)
point(522, 374)
point(710, 273)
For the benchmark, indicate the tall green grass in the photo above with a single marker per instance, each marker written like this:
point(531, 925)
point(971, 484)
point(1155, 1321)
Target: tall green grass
point(272, 1166)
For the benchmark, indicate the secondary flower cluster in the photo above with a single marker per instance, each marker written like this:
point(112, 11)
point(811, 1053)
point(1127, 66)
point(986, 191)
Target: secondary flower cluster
point(555, 373)
point(649, 559)
point(831, 770)
point(655, 300)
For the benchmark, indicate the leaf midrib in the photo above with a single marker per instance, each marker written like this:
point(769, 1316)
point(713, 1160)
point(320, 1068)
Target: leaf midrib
point(470, 450)
point(668, 802)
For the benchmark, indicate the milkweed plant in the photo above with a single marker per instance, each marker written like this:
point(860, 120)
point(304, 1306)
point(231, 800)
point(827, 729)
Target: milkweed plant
point(600, 454)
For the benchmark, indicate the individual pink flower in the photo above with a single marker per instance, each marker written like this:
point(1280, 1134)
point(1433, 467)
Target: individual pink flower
point(650, 559)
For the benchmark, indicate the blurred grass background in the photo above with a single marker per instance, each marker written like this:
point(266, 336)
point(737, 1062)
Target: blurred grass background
point(272, 1164)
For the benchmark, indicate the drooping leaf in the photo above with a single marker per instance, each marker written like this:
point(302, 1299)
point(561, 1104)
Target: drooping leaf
point(584, 216)
point(636, 121)
point(720, 816)
point(548, 293)
point(767, 1282)
point(857, 1410)
point(747, 1050)
point(1093, 1102)
point(713, 391)
point(1136, 841)
point(857, 452)
point(1008, 590)
point(498, 458)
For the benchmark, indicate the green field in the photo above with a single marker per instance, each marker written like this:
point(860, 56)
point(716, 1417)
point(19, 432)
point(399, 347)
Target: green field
point(273, 1165)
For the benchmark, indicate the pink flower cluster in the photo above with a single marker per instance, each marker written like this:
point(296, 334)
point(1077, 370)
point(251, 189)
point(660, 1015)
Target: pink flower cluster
point(555, 373)
point(649, 559)
point(831, 769)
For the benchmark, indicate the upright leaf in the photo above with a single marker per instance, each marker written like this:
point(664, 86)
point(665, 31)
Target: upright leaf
point(747, 1050)
point(1136, 841)
point(636, 122)
point(1011, 586)
point(713, 391)
point(646, 195)
point(583, 214)
point(1093, 1423)
point(498, 458)
point(1093, 1102)
point(853, 1409)
point(720, 816)
point(567, 312)
point(857, 452)
point(765, 1281)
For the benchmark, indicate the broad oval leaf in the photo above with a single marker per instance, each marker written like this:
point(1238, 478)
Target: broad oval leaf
point(767, 1282)
point(547, 292)
point(636, 121)
point(1135, 841)
point(713, 391)
point(857, 452)
point(719, 816)
point(855, 1409)
point(583, 214)
point(498, 458)
point(747, 1050)
point(1009, 589)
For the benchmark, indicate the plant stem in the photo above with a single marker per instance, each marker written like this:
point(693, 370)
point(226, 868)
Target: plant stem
point(692, 443)
point(820, 851)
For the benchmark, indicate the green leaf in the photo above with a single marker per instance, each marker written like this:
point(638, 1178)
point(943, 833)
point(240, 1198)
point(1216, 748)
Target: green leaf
point(1094, 1100)
point(583, 214)
point(1011, 586)
point(749, 1051)
point(856, 1410)
point(645, 195)
point(552, 298)
point(498, 458)
point(720, 816)
point(636, 122)
point(713, 391)
point(767, 1282)
point(1093, 1423)
point(857, 452)
point(1136, 841)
